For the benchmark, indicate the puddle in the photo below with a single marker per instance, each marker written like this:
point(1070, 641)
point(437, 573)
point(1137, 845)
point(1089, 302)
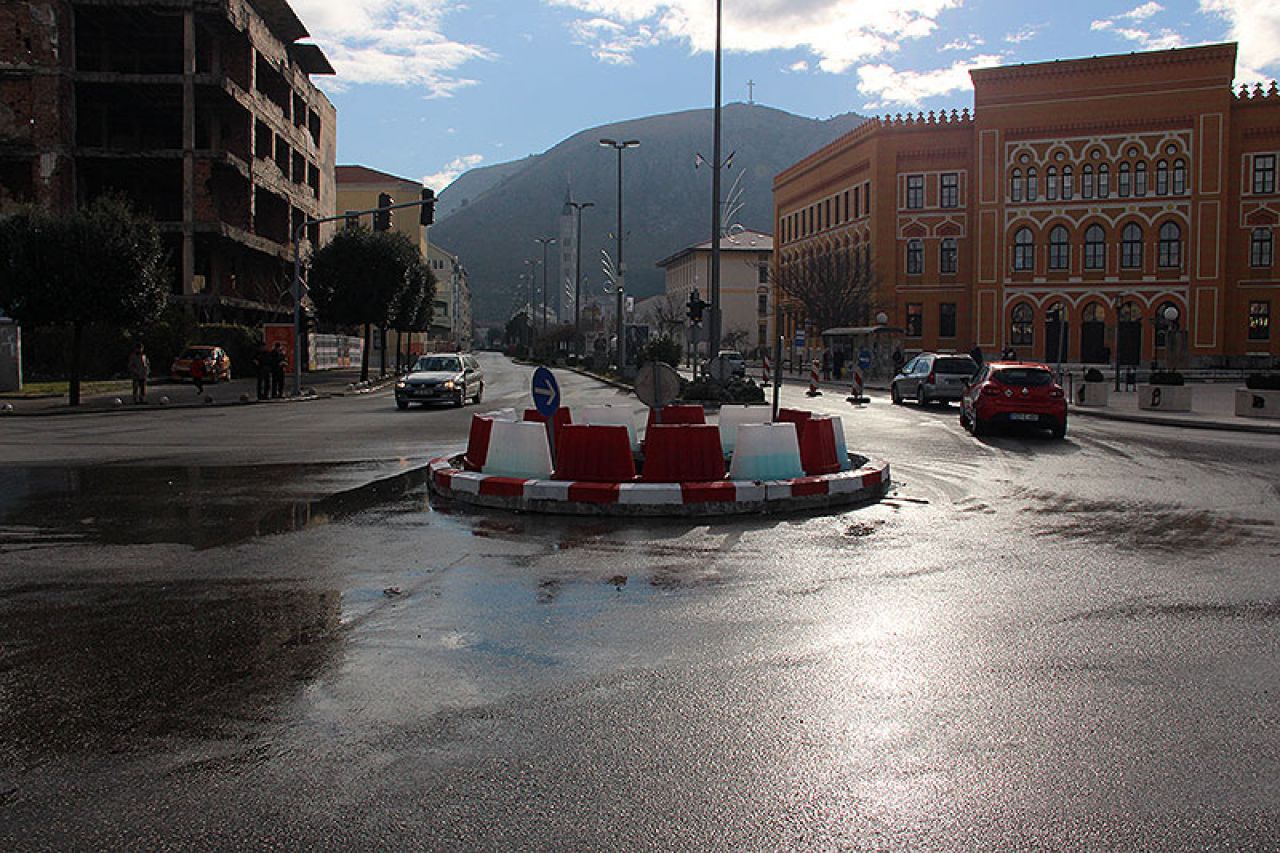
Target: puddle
point(204, 507)
point(113, 668)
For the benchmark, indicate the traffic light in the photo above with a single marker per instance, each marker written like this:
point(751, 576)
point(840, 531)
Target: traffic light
point(427, 212)
point(695, 306)
point(382, 219)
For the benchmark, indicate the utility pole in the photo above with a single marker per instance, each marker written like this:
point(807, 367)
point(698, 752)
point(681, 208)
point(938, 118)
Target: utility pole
point(621, 271)
point(713, 342)
point(545, 241)
point(578, 207)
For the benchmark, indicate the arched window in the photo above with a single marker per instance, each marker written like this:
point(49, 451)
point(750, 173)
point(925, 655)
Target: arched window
point(1024, 250)
point(1170, 245)
point(1094, 313)
point(1260, 248)
point(915, 256)
point(1020, 330)
point(1125, 184)
point(1162, 178)
point(1131, 247)
point(1015, 185)
point(1033, 184)
point(1104, 180)
point(1051, 183)
point(1059, 248)
point(1095, 248)
point(1163, 324)
point(1068, 183)
point(1179, 177)
point(1140, 178)
point(1086, 182)
point(947, 258)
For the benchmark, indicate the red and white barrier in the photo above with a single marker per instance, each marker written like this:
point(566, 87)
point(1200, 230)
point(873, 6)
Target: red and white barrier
point(765, 379)
point(814, 367)
point(858, 394)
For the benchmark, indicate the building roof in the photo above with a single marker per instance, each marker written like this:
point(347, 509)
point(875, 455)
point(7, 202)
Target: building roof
point(282, 20)
point(365, 175)
point(310, 58)
point(744, 241)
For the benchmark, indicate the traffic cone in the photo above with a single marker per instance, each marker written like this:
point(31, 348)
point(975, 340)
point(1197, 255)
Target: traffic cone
point(813, 380)
point(765, 381)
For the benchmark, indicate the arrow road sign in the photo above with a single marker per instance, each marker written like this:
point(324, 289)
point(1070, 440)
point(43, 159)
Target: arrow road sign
point(546, 392)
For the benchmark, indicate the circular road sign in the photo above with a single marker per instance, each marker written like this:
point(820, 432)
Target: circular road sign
point(546, 392)
point(657, 384)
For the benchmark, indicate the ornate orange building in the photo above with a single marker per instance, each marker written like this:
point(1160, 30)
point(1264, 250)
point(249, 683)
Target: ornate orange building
point(1063, 218)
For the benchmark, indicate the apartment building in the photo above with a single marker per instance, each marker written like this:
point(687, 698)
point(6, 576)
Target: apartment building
point(1100, 210)
point(746, 292)
point(202, 112)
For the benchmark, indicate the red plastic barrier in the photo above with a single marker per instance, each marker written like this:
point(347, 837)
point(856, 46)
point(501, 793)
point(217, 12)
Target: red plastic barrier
point(561, 417)
point(478, 443)
point(683, 453)
point(594, 453)
point(799, 417)
point(681, 414)
point(818, 453)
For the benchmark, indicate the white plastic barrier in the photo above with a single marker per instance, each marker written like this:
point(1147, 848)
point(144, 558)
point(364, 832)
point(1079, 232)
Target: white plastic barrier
point(502, 415)
point(766, 452)
point(732, 417)
point(842, 450)
point(518, 449)
point(611, 416)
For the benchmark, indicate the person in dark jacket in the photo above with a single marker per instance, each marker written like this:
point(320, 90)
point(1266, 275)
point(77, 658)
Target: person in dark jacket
point(278, 363)
point(262, 368)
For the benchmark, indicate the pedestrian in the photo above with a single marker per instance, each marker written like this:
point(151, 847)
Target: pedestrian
point(139, 369)
point(262, 368)
point(826, 365)
point(976, 355)
point(197, 373)
point(898, 361)
point(838, 364)
point(278, 362)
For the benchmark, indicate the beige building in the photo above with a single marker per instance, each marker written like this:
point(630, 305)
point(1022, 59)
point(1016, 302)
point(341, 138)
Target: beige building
point(746, 293)
point(451, 311)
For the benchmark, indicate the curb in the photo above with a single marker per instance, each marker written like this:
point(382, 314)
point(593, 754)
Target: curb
point(171, 406)
point(867, 483)
point(1222, 426)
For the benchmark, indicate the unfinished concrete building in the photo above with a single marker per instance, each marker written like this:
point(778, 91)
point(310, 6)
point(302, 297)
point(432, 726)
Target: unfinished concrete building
point(202, 112)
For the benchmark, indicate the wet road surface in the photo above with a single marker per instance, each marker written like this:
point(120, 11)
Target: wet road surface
point(1030, 644)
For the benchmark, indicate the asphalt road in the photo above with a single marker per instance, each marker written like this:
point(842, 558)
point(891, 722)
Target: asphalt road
point(251, 627)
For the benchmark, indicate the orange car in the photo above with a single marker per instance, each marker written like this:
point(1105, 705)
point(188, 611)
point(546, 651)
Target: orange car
point(217, 364)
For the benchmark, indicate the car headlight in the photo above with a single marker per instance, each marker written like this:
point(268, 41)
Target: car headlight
point(402, 385)
point(448, 385)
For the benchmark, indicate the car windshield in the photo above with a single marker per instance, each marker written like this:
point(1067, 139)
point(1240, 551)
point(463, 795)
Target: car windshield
point(437, 363)
point(961, 366)
point(1027, 376)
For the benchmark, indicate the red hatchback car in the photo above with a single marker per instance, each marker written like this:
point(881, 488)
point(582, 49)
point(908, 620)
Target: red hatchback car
point(1013, 392)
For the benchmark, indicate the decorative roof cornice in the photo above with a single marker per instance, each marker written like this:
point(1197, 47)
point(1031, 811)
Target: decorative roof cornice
point(1122, 61)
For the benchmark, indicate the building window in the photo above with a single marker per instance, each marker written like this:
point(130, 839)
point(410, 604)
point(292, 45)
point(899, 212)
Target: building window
point(1179, 177)
point(1140, 178)
point(1259, 321)
point(866, 199)
point(948, 255)
point(1033, 184)
point(1104, 180)
point(1131, 247)
point(762, 271)
point(1123, 181)
point(1020, 332)
point(947, 320)
point(1162, 178)
point(1095, 247)
point(847, 215)
point(1260, 246)
point(950, 190)
point(1059, 248)
point(915, 257)
point(1024, 250)
point(915, 192)
point(1015, 185)
point(915, 319)
point(1170, 245)
point(1068, 183)
point(857, 202)
point(1086, 182)
point(762, 303)
point(1051, 183)
point(1264, 173)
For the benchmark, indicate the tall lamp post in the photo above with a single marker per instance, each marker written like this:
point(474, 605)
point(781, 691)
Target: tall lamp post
point(545, 241)
point(578, 207)
point(713, 339)
point(622, 270)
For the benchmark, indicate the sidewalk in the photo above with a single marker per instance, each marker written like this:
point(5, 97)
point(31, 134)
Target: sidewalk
point(182, 395)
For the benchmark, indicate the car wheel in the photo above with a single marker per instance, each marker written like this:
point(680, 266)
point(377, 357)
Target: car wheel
point(964, 419)
point(1060, 430)
point(980, 427)
point(479, 395)
point(461, 400)
point(402, 404)
point(895, 394)
point(922, 399)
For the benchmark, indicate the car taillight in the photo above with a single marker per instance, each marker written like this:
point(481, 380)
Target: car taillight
point(1056, 392)
point(990, 390)
point(933, 379)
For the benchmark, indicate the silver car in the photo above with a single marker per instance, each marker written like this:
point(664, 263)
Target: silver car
point(932, 377)
point(442, 378)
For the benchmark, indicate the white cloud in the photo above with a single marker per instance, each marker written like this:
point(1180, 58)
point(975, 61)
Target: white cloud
point(839, 33)
point(1126, 25)
point(1141, 13)
point(886, 85)
point(1024, 34)
point(1255, 24)
point(969, 43)
point(798, 67)
point(449, 173)
point(398, 42)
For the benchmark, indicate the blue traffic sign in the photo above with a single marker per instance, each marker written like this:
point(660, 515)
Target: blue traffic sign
point(546, 392)
point(864, 359)
point(799, 337)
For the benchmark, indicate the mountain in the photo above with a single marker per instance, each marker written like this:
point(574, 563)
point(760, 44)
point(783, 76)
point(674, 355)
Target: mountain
point(667, 202)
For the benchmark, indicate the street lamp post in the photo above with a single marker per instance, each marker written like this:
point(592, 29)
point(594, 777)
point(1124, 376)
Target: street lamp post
point(1116, 303)
point(713, 342)
point(620, 147)
point(578, 207)
point(545, 241)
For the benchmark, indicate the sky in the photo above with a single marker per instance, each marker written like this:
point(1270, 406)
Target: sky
point(427, 89)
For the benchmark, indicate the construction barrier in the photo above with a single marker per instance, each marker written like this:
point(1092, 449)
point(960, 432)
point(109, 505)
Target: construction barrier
point(814, 367)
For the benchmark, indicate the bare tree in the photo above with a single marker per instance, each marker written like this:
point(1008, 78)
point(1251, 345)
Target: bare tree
point(735, 339)
point(669, 316)
point(835, 286)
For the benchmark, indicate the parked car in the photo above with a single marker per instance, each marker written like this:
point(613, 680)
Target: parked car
point(933, 377)
point(1014, 393)
point(442, 377)
point(733, 358)
point(217, 364)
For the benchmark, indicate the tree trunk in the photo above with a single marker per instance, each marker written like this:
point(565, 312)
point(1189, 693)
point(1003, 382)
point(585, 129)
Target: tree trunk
point(77, 337)
point(382, 356)
point(364, 356)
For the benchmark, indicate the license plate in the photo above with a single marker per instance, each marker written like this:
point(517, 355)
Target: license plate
point(1023, 416)
point(424, 392)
